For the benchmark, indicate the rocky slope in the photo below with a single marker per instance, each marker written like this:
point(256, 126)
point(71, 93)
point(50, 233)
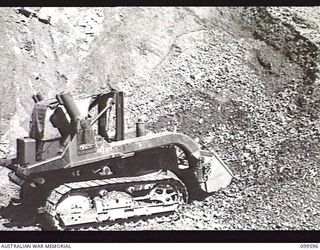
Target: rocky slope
point(241, 81)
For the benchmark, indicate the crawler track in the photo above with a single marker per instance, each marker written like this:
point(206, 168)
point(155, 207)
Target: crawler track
point(99, 202)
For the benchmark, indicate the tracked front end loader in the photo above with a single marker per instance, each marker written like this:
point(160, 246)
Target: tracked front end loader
point(78, 166)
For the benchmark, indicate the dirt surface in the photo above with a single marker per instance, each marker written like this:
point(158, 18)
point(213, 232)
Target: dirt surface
point(240, 81)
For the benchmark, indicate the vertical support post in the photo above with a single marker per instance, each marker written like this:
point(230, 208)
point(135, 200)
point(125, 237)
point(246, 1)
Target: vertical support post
point(119, 117)
point(102, 121)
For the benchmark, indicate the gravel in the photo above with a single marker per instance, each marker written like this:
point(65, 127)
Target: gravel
point(243, 91)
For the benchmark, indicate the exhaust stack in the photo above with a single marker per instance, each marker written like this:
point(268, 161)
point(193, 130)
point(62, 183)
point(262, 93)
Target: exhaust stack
point(66, 99)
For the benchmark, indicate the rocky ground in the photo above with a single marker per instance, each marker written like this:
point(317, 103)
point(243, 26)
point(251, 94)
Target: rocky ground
point(240, 81)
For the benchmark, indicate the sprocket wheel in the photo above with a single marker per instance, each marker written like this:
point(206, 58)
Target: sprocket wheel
point(166, 194)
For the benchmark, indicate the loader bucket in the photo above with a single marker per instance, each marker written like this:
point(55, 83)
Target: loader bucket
point(219, 176)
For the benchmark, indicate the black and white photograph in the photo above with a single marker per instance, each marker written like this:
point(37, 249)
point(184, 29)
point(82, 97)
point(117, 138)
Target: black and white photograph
point(135, 118)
